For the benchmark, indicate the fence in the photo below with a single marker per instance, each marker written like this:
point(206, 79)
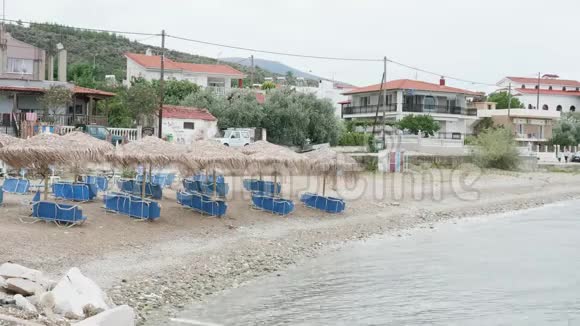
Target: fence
point(130, 134)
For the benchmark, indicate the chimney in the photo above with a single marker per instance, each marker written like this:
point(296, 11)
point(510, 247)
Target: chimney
point(442, 81)
point(50, 67)
point(148, 52)
point(62, 58)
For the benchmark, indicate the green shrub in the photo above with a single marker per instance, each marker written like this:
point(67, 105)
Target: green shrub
point(496, 148)
point(353, 138)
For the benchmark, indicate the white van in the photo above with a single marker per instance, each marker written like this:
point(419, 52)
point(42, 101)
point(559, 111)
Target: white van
point(236, 138)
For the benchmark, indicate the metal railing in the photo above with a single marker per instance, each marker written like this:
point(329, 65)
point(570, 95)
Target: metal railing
point(217, 90)
point(61, 119)
point(443, 109)
point(368, 109)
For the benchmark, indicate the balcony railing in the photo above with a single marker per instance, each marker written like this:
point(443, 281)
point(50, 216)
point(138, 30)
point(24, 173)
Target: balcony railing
point(217, 90)
point(368, 109)
point(61, 119)
point(443, 109)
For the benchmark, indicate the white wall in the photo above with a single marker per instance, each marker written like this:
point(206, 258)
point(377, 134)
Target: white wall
point(204, 128)
point(552, 101)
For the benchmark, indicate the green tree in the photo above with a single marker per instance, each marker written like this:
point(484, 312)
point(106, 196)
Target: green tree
point(290, 78)
point(55, 98)
point(176, 90)
point(502, 98)
point(82, 74)
point(423, 123)
point(566, 132)
point(141, 101)
point(483, 124)
point(268, 85)
point(496, 148)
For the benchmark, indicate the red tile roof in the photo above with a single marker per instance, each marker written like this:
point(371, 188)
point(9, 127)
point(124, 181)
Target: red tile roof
point(548, 92)
point(410, 84)
point(545, 81)
point(154, 62)
point(90, 91)
point(344, 102)
point(22, 89)
point(184, 112)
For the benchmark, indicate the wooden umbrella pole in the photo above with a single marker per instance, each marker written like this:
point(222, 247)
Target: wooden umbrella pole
point(275, 184)
point(150, 176)
point(323, 185)
point(143, 182)
point(46, 184)
point(214, 184)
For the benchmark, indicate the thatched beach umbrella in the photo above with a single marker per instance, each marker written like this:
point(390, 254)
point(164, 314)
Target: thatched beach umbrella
point(41, 151)
point(150, 151)
point(327, 162)
point(93, 149)
point(211, 155)
point(6, 140)
point(265, 156)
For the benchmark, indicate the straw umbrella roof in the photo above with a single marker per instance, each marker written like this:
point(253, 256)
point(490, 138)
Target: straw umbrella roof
point(148, 150)
point(210, 154)
point(326, 160)
point(6, 140)
point(40, 150)
point(91, 148)
point(267, 155)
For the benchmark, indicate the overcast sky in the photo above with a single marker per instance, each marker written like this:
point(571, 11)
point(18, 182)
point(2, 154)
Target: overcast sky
point(475, 40)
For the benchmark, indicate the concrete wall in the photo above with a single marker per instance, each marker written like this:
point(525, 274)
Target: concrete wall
point(16, 49)
point(202, 128)
point(552, 101)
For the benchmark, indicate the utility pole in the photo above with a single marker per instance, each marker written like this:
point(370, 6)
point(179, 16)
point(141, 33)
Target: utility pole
point(162, 84)
point(383, 81)
point(538, 96)
point(509, 98)
point(252, 71)
point(385, 98)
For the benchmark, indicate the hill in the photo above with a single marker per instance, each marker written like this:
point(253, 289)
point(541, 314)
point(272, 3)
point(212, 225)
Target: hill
point(103, 49)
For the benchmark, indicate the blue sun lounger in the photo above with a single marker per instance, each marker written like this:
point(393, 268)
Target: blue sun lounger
point(206, 188)
point(101, 181)
point(56, 212)
point(327, 204)
point(202, 203)
point(133, 187)
point(16, 186)
point(262, 186)
point(267, 202)
point(74, 191)
point(208, 178)
point(132, 206)
point(1, 196)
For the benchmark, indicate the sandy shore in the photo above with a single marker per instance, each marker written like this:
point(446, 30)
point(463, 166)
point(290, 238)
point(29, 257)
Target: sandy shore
point(158, 267)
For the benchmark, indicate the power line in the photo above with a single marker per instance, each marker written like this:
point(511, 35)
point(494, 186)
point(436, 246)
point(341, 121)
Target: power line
point(329, 58)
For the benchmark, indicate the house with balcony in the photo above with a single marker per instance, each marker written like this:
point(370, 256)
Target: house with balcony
point(398, 98)
point(23, 74)
point(552, 93)
point(220, 78)
point(530, 127)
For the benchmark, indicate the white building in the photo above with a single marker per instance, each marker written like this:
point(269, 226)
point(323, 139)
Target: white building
point(447, 105)
point(554, 94)
point(187, 124)
point(328, 90)
point(219, 77)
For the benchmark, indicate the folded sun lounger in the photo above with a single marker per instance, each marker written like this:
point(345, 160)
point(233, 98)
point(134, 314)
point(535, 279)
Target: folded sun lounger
point(202, 203)
point(74, 191)
point(262, 186)
point(55, 212)
point(16, 186)
point(206, 188)
point(132, 206)
point(272, 204)
point(135, 188)
point(327, 204)
point(101, 181)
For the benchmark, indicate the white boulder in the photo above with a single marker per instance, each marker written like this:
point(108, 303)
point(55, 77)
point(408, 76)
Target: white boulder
point(22, 286)
point(119, 316)
point(10, 270)
point(2, 282)
point(24, 304)
point(74, 291)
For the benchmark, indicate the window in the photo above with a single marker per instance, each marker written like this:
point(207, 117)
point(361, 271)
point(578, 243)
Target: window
point(536, 87)
point(572, 108)
point(188, 125)
point(365, 101)
point(559, 108)
point(545, 107)
point(529, 107)
point(577, 89)
point(489, 106)
point(550, 88)
point(235, 135)
point(564, 88)
point(520, 129)
point(523, 86)
point(429, 103)
point(20, 66)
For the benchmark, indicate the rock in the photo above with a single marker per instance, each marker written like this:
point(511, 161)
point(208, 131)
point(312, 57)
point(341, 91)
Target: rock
point(10, 270)
point(22, 286)
point(2, 282)
point(119, 316)
point(74, 291)
point(24, 304)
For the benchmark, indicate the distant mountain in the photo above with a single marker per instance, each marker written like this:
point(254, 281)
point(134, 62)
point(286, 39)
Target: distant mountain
point(275, 67)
